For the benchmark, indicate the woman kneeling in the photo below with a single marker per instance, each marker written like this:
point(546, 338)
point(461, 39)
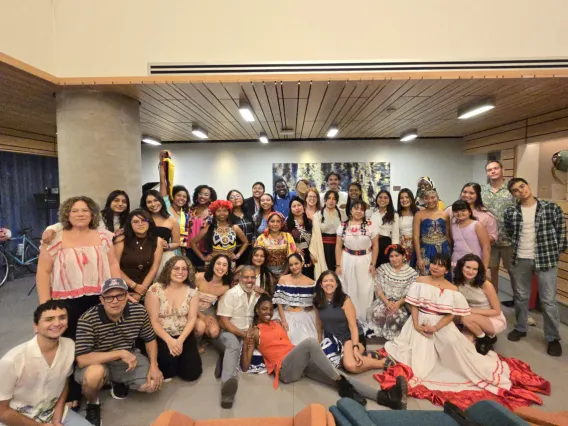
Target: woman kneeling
point(486, 319)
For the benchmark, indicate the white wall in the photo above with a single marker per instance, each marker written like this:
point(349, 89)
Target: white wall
point(527, 164)
point(225, 166)
point(119, 38)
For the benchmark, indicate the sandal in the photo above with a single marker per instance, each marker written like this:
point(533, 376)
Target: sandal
point(389, 362)
point(373, 354)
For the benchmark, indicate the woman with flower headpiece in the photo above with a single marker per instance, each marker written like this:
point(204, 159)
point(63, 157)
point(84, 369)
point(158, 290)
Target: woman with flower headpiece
point(220, 235)
point(388, 313)
point(356, 251)
point(278, 244)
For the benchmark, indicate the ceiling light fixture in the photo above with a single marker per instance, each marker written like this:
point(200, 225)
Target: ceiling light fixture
point(199, 132)
point(476, 108)
point(150, 141)
point(263, 138)
point(287, 132)
point(409, 135)
point(246, 111)
point(332, 131)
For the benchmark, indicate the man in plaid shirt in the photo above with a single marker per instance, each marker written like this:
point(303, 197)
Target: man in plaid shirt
point(538, 233)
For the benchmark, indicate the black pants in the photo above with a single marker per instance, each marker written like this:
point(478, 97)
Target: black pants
point(384, 242)
point(76, 308)
point(186, 366)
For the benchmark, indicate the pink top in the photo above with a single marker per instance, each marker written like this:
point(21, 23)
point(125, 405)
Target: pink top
point(79, 271)
point(465, 241)
point(487, 219)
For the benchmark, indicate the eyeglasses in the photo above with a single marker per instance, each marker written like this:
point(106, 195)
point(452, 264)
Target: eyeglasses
point(235, 197)
point(204, 194)
point(109, 299)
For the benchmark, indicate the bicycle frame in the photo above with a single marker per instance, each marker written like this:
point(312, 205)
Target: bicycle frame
point(21, 260)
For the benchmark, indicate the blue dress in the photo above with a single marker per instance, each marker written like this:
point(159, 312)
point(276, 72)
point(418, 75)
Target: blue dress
point(433, 240)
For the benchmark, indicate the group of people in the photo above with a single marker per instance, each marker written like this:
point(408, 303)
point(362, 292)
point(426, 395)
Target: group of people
point(129, 299)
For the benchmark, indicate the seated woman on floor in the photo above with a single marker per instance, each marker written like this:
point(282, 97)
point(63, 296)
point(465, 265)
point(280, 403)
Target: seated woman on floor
point(442, 361)
point(294, 296)
point(388, 313)
point(289, 363)
point(343, 343)
point(486, 319)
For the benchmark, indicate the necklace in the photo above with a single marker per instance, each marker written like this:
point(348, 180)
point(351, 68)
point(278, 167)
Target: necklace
point(140, 266)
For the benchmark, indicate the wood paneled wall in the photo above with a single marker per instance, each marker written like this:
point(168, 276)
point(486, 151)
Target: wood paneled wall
point(27, 143)
point(505, 139)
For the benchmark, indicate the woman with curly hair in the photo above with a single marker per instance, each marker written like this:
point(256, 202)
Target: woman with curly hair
point(278, 244)
point(243, 220)
point(203, 196)
point(211, 284)
point(300, 227)
point(486, 319)
point(356, 252)
point(139, 252)
point(113, 216)
point(75, 265)
point(172, 304)
point(221, 235)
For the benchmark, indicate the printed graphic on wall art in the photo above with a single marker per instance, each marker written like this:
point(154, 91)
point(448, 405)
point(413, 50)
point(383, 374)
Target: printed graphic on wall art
point(372, 176)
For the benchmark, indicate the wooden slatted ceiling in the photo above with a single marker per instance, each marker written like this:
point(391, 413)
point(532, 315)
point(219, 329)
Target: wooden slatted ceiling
point(362, 109)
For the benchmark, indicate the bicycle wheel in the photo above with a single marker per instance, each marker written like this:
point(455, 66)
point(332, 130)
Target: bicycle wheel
point(4, 268)
point(32, 252)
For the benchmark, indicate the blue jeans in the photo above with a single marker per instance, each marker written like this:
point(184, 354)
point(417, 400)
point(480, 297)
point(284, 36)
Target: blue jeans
point(523, 272)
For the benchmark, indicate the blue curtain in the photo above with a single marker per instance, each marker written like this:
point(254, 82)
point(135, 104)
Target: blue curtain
point(22, 176)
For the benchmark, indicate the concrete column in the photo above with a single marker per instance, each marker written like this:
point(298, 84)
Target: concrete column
point(98, 143)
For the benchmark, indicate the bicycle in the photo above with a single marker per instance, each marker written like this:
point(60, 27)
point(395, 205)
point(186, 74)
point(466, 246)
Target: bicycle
point(26, 255)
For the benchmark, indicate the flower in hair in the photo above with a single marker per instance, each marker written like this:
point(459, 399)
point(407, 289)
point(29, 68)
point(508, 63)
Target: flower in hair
point(220, 204)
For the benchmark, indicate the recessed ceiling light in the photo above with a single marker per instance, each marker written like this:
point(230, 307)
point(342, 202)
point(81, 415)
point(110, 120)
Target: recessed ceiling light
point(199, 132)
point(246, 111)
point(151, 141)
point(263, 138)
point(332, 131)
point(476, 108)
point(409, 135)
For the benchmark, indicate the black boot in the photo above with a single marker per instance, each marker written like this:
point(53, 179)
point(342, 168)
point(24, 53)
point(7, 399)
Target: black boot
point(484, 344)
point(346, 390)
point(394, 398)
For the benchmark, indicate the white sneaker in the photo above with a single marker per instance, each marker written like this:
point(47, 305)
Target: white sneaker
point(168, 380)
point(530, 321)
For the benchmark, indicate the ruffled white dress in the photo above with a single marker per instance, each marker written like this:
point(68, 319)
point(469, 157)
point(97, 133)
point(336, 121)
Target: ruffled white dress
point(447, 361)
point(301, 317)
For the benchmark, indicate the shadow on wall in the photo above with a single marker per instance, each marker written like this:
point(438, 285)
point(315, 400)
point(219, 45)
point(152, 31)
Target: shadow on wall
point(22, 176)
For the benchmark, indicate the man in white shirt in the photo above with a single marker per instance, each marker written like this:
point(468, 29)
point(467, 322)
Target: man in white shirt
point(333, 181)
point(235, 312)
point(34, 375)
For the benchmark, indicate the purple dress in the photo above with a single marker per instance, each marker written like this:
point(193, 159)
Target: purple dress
point(465, 241)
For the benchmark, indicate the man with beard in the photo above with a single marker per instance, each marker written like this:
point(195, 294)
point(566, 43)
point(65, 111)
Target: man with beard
point(35, 374)
point(235, 312)
point(333, 181)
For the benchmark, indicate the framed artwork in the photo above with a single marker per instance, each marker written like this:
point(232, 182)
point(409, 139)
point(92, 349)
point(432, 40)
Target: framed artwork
point(373, 177)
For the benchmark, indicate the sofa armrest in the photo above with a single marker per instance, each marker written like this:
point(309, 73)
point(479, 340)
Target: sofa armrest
point(490, 413)
point(354, 412)
point(340, 419)
point(313, 414)
point(539, 417)
point(173, 418)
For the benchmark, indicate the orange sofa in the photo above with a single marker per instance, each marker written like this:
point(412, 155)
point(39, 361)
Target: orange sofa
point(312, 415)
point(538, 417)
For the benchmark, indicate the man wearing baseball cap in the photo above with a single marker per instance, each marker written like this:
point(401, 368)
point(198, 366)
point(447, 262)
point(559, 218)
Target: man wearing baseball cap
point(104, 347)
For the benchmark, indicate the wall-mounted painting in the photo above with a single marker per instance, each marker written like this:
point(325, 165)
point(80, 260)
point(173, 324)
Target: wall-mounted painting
point(372, 176)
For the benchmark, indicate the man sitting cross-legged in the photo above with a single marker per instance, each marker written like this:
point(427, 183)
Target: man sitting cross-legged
point(34, 375)
point(105, 351)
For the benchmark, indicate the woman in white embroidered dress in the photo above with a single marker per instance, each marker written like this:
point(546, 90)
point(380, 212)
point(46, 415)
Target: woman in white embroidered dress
point(356, 252)
point(440, 356)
